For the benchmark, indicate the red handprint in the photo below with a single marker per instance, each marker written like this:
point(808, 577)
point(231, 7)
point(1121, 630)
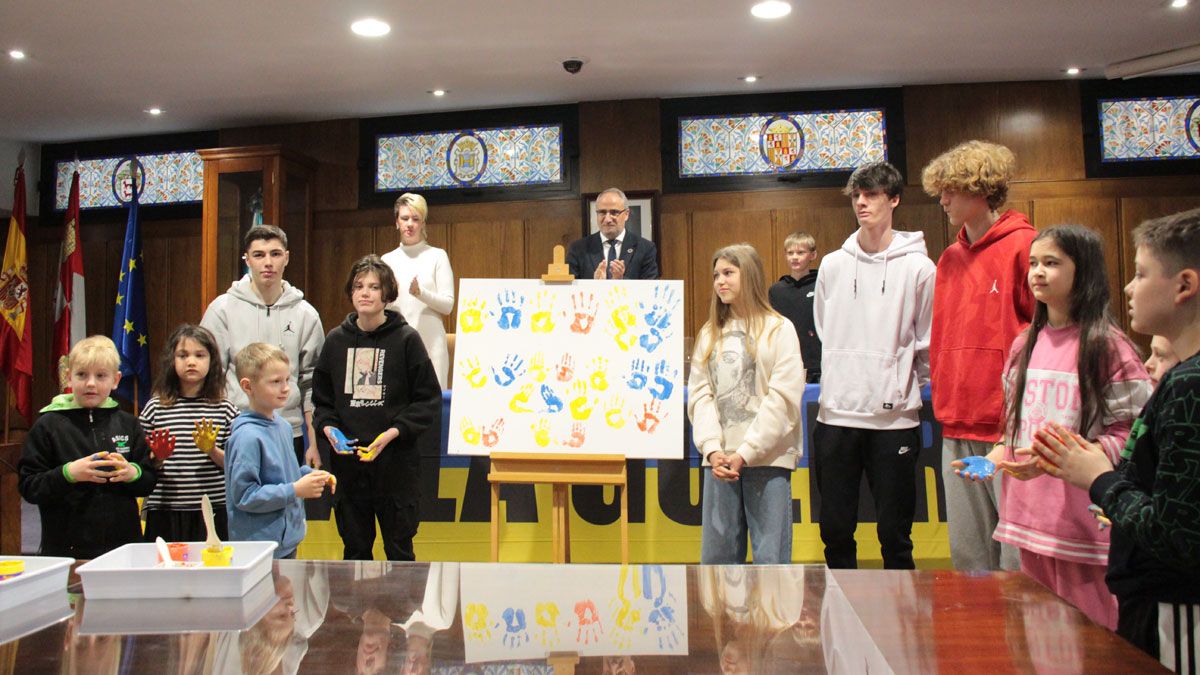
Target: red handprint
point(585, 307)
point(491, 436)
point(652, 414)
point(578, 434)
point(566, 368)
point(589, 622)
point(161, 443)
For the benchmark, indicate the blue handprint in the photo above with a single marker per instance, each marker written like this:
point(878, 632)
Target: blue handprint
point(553, 402)
point(514, 367)
point(663, 386)
point(515, 633)
point(978, 468)
point(341, 444)
point(510, 309)
point(662, 617)
point(658, 318)
point(639, 374)
point(665, 627)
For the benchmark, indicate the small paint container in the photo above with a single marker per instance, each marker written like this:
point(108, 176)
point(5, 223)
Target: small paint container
point(11, 568)
point(178, 551)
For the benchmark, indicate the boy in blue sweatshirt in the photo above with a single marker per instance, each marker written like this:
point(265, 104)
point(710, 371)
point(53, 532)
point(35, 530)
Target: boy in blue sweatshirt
point(264, 483)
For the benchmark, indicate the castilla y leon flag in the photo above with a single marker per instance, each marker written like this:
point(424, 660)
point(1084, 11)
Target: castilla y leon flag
point(70, 311)
point(16, 344)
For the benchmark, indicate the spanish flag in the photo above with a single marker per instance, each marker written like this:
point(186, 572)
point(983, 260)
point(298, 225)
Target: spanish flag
point(16, 343)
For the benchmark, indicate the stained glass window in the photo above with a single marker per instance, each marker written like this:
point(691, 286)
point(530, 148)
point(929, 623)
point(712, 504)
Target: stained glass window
point(1140, 129)
point(170, 178)
point(516, 155)
point(797, 142)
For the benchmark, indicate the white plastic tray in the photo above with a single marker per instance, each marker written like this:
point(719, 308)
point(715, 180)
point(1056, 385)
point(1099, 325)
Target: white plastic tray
point(158, 616)
point(42, 576)
point(132, 572)
point(30, 617)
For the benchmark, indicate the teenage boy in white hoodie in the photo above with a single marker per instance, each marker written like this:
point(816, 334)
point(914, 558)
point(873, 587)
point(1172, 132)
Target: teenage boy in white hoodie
point(262, 307)
point(873, 307)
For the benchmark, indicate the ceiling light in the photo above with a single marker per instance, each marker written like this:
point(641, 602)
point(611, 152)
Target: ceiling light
point(771, 9)
point(749, 79)
point(154, 111)
point(370, 28)
point(1178, 4)
point(16, 54)
point(1073, 71)
point(438, 92)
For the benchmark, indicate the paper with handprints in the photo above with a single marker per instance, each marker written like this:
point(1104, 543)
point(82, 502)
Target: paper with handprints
point(589, 367)
point(593, 610)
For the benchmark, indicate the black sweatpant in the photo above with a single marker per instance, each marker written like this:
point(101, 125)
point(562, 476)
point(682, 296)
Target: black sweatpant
point(841, 455)
point(398, 521)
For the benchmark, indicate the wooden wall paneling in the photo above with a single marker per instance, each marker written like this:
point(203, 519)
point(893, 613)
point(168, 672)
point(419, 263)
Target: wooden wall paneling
point(541, 236)
point(619, 145)
point(487, 250)
point(675, 254)
point(1134, 210)
point(331, 262)
point(43, 273)
point(712, 230)
point(1041, 123)
point(183, 257)
point(1099, 215)
point(927, 218)
point(332, 143)
point(938, 117)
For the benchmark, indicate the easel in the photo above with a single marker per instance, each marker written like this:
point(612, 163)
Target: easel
point(561, 471)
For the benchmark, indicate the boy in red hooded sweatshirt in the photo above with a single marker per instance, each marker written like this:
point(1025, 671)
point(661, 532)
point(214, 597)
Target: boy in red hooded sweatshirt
point(981, 301)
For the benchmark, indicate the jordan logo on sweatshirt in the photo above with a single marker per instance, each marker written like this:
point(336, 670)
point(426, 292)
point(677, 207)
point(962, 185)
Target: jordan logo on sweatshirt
point(995, 288)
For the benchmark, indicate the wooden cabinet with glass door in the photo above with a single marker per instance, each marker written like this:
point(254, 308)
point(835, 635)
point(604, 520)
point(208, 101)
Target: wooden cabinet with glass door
point(246, 186)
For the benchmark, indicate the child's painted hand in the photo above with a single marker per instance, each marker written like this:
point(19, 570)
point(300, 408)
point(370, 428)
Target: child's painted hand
point(1025, 469)
point(1102, 521)
point(978, 469)
point(1065, 454)
point(205, 435)
point(311, 485)
point(338, 441)
point(161, 443)
point(332, 484)
point(94, 468)
point(369, 453)
point(123, 471)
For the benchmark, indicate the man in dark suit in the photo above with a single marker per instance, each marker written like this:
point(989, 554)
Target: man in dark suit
point(613, 252)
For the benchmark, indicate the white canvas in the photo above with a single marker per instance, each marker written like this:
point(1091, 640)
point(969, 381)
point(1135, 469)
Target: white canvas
point(585, 367)
point(591, 610)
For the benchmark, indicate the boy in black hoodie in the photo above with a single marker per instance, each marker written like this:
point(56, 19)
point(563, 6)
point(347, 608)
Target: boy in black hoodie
point(85, 462)
point(374, 384)
point(792, 296)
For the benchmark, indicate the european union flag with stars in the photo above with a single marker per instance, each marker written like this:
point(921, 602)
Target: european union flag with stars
point(130, 330)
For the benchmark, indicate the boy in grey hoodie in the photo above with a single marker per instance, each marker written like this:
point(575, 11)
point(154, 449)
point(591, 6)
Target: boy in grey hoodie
point(873, 308)
point(262, 307)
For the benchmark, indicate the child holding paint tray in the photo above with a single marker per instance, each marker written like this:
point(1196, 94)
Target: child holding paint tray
point(187, 424)
point(375, 391)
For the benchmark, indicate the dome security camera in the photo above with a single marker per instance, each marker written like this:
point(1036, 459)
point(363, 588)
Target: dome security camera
point(573, 66)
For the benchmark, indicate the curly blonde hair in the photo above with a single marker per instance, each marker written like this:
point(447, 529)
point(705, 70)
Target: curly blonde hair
point(975, 167)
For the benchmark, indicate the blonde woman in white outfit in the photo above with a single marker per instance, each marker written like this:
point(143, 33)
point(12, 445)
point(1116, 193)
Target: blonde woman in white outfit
point(425, 279)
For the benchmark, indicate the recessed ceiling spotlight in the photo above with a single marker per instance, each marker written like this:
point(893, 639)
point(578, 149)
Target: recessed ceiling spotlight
point(438, 92)
point(370, 28)
point(16, 54)
point(749, 79)
point(771, 9)
point(153, 111)
point(1179, 4)
point(1073, 71)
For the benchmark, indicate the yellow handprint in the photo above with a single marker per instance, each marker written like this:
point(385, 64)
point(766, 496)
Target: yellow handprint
point(205, 435)
point(518, 404)
point(542, 320)
point(614, 412)
point(624, 616)
point(622, 319)
point(470, 320)
point(541, 432)
point(546, 616)
point(474, 373)
point(537, 367)
point(475, 619)
point(581, 405)
point(470, 432)
point(599, 378)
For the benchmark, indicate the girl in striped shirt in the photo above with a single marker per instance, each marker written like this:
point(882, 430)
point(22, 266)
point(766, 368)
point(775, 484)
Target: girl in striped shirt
point(187, 423)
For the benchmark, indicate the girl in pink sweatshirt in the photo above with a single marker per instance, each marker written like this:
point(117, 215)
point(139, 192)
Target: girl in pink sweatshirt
point(1073, 366)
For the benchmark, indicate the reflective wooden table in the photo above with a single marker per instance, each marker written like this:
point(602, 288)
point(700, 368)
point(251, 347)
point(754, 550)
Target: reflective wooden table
point(377, 617)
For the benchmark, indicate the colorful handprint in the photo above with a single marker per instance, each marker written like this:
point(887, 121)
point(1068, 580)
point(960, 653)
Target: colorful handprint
point(515, 632)
point(621, 319)
point(639, 374)
point(658, 318)
point(520, 401)
point(599, 376)
point(470, 319)
point(652, 414)
point(553, 403)
point(470, 433)
point(566, 368)
point(473, 372)
point(509, 317)
point(584, 305)
point(512, 368)
point(537, 367)
point(588, 622)
point(581, 405)
point(475, 621)
point(491, 435)
point(664, 376)
point(614, 412)
point(541, 432)
point(577, 437)
point(546, 618)
point(542, 320)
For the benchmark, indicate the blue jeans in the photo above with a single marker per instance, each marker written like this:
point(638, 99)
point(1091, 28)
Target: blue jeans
point(758, 504)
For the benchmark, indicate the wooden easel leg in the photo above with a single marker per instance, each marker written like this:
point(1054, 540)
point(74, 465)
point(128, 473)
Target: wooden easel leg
point(495, 522)
point(566, 523)
point(624, 524)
